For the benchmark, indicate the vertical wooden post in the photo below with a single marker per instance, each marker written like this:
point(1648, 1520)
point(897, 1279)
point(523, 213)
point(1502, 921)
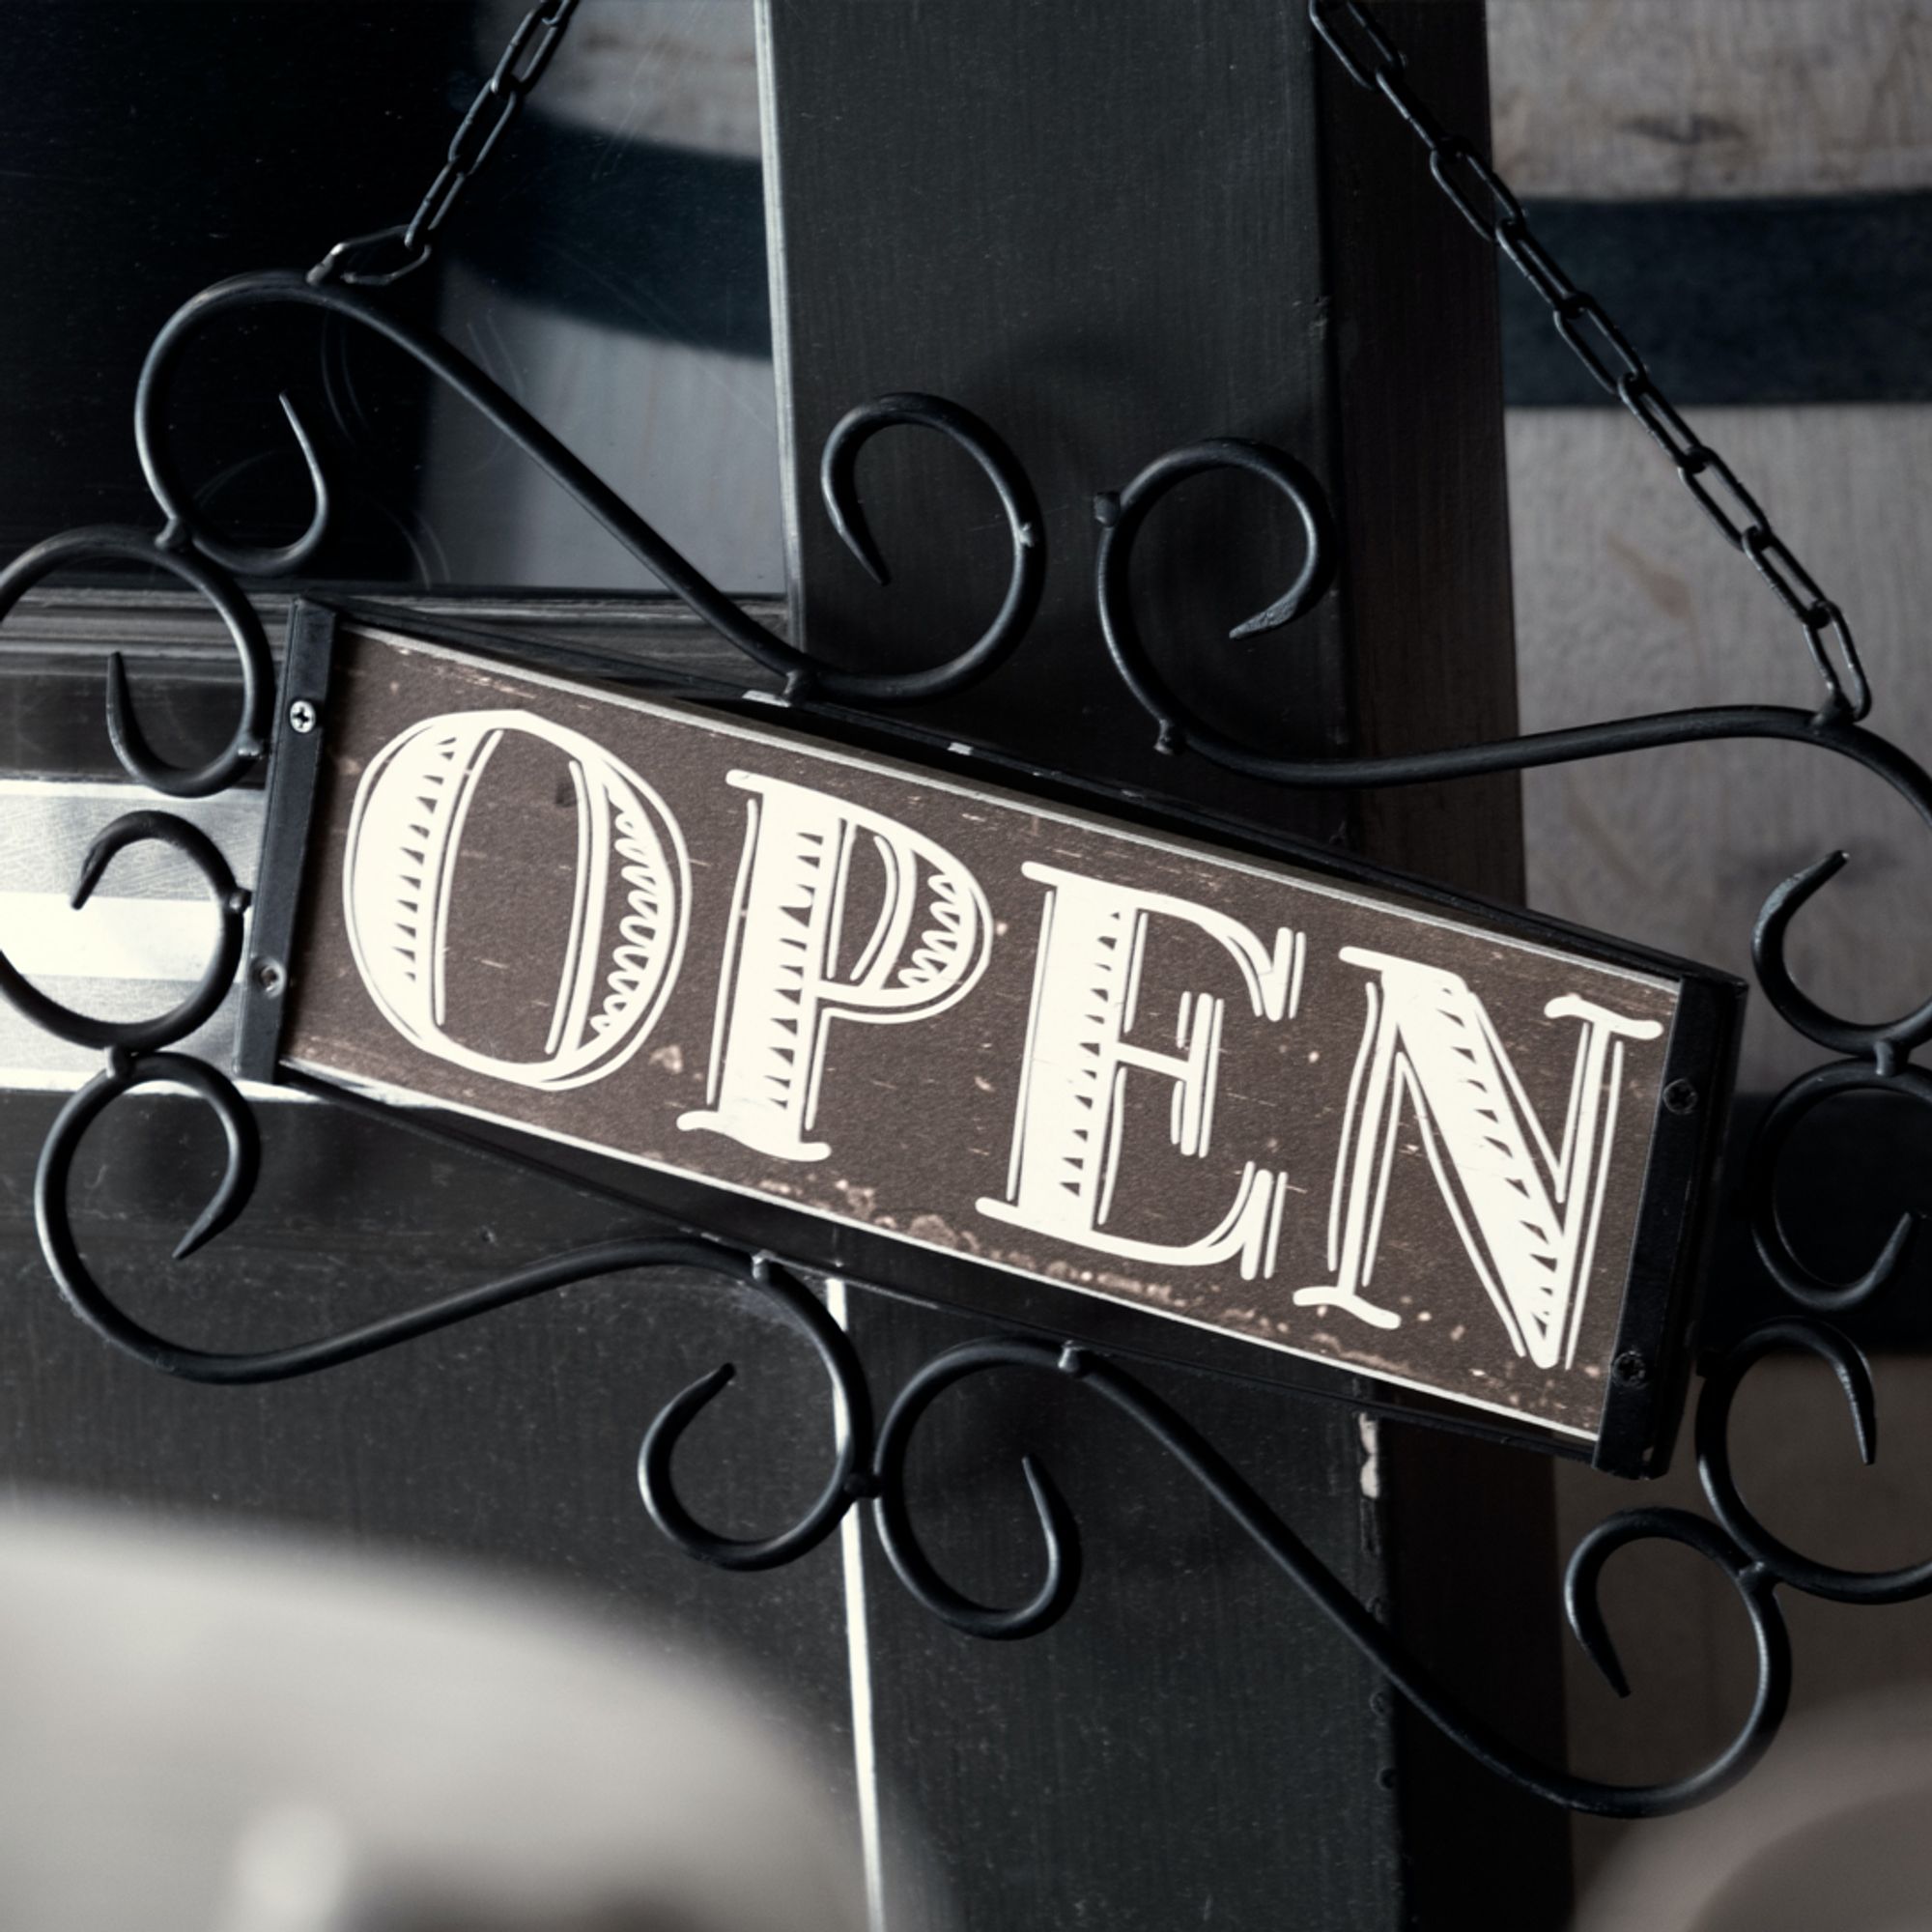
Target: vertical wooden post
point(1110, 227)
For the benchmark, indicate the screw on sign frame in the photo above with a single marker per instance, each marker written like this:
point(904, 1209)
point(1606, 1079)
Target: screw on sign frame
point(869, 1466)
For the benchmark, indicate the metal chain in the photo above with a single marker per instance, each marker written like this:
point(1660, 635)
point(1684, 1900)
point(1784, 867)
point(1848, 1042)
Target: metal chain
point(1486, 202)
point(376, 261)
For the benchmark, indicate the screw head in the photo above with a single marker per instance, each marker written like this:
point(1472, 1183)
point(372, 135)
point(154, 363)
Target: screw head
point(271, 977)
point(1631, 1369)
point(1680, 1097)
point(301, 716)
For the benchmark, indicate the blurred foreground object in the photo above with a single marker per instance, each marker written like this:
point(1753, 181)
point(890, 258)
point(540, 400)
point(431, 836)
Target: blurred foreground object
point(1829, 1833)
point(199, 1735)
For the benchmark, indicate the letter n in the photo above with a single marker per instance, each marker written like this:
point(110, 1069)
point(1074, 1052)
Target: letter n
point(1528, 1212)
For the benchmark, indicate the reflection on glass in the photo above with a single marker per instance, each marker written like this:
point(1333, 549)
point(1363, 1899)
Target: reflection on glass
point(607, 267)
point(614, 280)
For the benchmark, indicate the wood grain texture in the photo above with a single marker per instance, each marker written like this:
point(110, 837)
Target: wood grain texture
point(1628, 601)
point(1634, 100)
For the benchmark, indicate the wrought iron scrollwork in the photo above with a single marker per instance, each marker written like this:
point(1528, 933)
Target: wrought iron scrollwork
point(134, 828)
point(869, 1465)
point(873, 1467)
point(1811, 1090)
point(804, 677)
point(1753, 1581)
point(125, 1071)
point(1727, 1503)
point(1123, 517)
point(111, 544)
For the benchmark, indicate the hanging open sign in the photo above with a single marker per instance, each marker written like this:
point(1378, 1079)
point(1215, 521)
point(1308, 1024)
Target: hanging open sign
point(936, 1031)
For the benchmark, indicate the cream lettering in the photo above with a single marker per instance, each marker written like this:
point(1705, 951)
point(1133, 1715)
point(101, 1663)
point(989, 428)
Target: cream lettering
point(782, 985)
point(1086, 989)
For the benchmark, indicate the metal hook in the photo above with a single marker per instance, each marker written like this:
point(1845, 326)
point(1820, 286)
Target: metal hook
point(892, 1519)
point(133, 828)
point(1714, 1464)
point(846, 1483)
point(244, 632)
point(1121, 517)
point(1887, 1043)
point(451, 367)
point(124, 1072)
point(838, 475)
point(1809, 1091)
point(1231, 1492)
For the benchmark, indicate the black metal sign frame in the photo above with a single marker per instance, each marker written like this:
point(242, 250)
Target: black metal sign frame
point(1647, 1366)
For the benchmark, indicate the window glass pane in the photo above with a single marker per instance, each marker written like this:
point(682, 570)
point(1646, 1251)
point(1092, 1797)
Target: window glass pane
point(607, 267)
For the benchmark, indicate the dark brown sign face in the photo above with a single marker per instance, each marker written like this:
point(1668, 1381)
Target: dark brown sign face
point(1322, 1117)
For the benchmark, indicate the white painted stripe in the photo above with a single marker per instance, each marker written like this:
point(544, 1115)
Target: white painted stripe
point(859, 1663)
point(166, 940)
point(43, 1080)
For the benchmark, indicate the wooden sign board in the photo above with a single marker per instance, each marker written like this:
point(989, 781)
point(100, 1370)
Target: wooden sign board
point(1310, 1112)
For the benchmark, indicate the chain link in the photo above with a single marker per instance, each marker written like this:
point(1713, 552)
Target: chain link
point(376, 261)
point(1366, 54)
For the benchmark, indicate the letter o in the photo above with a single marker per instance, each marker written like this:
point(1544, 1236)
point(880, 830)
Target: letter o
point(630, 895)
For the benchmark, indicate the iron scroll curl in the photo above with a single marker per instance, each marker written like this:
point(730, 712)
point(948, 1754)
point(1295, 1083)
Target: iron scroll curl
point(1795, 1276)
point(1753, 1583)
point(1775, 1556)
point(217, 976)
point(83, 1294)
point(1123, 518)
point(804, 677)
point(114, 544)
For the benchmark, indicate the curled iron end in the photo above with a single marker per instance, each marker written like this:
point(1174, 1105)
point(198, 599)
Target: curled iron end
point(239, 1175)
point(1755, 1590)
point(1778, 1558)
point(838, 483)
point(1058, 1534)
point(240, 1169)
point(134, 828)
point(655, 1478)
point(1121, 529)
point(1583, 1579)
point(1587, 1620)
point(847, 511)
point(1887, 1043)
point(115, 545)
point(170, 488)
point(1811, 1089)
